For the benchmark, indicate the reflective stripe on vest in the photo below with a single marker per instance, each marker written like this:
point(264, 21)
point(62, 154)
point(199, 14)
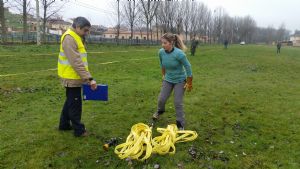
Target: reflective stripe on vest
point(81, 54)
point(66, 62)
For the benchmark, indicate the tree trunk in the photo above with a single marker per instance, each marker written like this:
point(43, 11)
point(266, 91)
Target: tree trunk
point(156, 29)
point(118, 27)
point(25, 21)
point(2, 20)
point(186, 33)
point(44, 23)
point(131, 33)
point(151, 32)
point(38, 34)
point(132, 19)
point(148, 20)
point(147, 31)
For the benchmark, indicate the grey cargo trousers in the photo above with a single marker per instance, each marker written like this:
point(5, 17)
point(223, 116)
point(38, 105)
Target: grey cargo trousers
point(165, 93)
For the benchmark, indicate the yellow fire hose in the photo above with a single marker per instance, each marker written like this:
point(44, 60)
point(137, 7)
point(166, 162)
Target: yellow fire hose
point(165, 143)
point(139, 144)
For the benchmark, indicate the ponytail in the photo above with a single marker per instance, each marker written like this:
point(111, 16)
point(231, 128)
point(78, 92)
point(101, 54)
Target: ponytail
point(179, 43)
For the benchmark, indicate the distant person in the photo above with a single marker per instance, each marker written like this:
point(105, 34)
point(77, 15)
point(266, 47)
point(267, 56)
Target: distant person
point(226, 44)
point(176, 75)
point(193, 47)
point(278, 47)
point(73, 71)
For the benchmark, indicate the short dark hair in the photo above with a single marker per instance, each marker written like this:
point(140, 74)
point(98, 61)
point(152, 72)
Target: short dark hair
point(81, 22)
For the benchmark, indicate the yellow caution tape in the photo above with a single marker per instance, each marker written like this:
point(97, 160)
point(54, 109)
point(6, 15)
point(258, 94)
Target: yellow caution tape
point(140, 143)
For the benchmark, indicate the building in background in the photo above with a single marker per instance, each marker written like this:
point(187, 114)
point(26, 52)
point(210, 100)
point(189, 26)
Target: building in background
point(296, 39)
point(57, 26)
point(97, 31)
point(111, 33)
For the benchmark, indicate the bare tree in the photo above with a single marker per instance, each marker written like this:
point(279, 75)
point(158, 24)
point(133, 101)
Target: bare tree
point(270, 34)
point(157, 25)
point(2, 21)
point(130, 14)
point(200, 24)
point(25, 20)
point(119, 22)
point(24, 7)
point(281, 32)
point(38, 32)
point(228, 27)
point(218, 24)
point(297, 32)
point(235, 29)
point(247, 29)
point(117, 14)
point(50, 8)
point(186, 5)
point(149, 9)
point(140, 24)
point(207, 25)
point(194, 20)
point(167, 15)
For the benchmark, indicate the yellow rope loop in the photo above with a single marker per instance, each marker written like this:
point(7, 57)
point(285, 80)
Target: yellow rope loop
point(137, 144)
point(186, 135)
point(164, 144)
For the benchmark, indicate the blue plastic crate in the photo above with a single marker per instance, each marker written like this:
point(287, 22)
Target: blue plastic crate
point(101, 93)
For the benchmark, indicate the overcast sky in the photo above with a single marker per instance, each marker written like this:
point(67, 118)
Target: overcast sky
point(265, 12)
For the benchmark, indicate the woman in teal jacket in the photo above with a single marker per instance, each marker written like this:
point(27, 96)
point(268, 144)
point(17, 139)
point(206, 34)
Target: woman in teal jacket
point(176, 74)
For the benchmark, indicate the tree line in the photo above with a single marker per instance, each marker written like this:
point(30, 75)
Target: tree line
point(190, 18)
point(194, 19)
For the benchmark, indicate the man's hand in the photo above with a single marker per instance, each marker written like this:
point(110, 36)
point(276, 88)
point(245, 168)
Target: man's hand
point(93, 84)
point(189, 84)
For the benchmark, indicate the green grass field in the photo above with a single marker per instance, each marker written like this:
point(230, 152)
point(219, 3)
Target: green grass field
point(245, 107)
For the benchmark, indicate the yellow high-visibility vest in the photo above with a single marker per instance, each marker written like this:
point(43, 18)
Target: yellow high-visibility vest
point(65, 70)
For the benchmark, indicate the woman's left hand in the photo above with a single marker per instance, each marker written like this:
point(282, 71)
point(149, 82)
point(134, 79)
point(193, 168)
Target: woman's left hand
point(189, 84)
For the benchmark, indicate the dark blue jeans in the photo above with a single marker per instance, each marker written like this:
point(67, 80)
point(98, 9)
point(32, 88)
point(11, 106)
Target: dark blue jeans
point(71, 112)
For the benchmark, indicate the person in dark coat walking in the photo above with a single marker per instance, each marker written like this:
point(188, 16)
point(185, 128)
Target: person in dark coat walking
point(278, 47)
point(193, 47)
point(226, 44)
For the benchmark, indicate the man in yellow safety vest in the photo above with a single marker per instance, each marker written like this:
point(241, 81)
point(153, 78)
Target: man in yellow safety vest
point(73, 71)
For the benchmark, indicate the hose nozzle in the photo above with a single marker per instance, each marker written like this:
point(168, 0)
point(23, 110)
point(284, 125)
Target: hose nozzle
point(109, 143)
